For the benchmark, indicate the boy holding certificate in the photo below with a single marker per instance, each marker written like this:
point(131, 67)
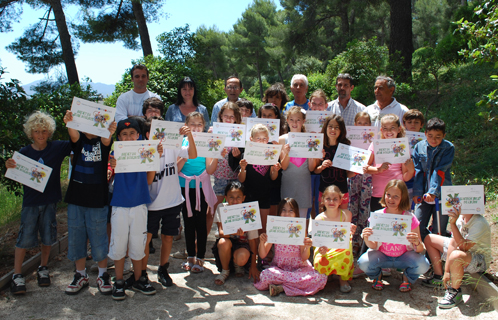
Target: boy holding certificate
point(38, 209)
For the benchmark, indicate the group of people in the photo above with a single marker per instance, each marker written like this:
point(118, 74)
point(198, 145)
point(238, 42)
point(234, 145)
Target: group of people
point(119, 213)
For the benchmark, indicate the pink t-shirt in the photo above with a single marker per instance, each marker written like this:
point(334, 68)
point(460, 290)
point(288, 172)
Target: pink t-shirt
point(396, 250)
point(380, 180)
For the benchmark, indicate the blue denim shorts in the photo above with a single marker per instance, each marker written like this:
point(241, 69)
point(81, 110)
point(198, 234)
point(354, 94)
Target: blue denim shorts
point(34, 219)
point(87, 223)
point(219, 186)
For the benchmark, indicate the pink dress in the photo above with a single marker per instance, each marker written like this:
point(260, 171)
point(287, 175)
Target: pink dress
point(298, 277)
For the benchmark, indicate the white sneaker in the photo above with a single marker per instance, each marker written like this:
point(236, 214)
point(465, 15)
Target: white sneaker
point(78, 283)
point(128, 266)
point(104, 284)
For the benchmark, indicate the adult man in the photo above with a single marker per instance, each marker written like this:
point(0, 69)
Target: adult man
point(233, 88)
point(299, 87)
point(384, 89)
point(131, 103)
point(344, 105)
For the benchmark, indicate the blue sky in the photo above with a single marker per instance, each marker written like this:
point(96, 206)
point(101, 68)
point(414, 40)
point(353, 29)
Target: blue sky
point(107, 62)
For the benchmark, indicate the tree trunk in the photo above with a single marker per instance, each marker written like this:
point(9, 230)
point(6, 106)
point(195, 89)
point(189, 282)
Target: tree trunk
point(65, 39)
point(401, 35)
point(142, 27)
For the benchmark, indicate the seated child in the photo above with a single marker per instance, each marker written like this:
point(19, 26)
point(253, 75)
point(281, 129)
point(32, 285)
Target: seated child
point(468, 250)
point(380, 255)
point(235, 252)
point(290, 270)
point(38, 208)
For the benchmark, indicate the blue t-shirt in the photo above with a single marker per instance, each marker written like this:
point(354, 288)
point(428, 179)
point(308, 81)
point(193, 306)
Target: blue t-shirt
point(293, 103)
point(193, 167)
point(130, 189)
point(52, 156)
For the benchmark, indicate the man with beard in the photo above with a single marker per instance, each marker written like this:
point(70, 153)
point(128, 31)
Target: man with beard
point(344, 105)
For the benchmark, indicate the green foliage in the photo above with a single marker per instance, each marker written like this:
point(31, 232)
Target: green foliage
point(212, 46)
point(322, 81)
point(178, 45)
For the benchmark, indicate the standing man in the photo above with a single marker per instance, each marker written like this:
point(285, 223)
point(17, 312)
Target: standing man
point(344, 105)
point(131, 103)
point(233, 88)
point(384, 89)
point(299, 88)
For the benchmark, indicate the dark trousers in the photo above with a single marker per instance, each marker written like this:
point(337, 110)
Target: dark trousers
point(195, 226)
point(424, 212)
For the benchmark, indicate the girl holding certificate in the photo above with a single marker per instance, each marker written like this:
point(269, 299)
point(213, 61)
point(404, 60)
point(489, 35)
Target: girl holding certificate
point(380, 255)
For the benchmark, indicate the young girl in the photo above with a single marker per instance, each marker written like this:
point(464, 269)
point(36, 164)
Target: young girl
point(335, 261)
point(390, 128)
point(256, 178)
point(388, 255)
point(360, 192)
point(276, 94)
point(290, 271)
point(318, 101)
point(232, 252)
point(296, 181)
point(191, 172)
point(246, 108)
point(334, 131)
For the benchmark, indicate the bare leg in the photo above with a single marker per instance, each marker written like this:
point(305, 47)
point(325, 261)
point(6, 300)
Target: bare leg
point(166, 245)
point(145, 260)
point(137, 268)
point(210, 216)
point(434, 245)
point(19, 259)
point(264, 216)
point(458, 260)
point(225, 251)
point(45, 254)
point(118, 268)
point(241, 256)
point(80, 264)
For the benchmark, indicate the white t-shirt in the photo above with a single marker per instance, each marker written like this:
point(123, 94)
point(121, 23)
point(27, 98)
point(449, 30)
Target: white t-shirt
point(253, 234)
point(165, 191)
point(478, 231)
point(131, 104)
point(376, 113)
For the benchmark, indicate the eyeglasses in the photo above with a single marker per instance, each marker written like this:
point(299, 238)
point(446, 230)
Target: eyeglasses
point(228, 117)
point(233, 88)
point(314, 104)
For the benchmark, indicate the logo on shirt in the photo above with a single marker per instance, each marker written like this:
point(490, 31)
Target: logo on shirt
point(94, 155)
point(169, 170)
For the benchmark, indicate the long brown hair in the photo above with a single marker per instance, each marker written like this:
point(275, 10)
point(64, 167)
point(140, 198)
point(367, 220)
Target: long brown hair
point(404, 204)
point(342, 127)
point(236, 112)
point(292, 203)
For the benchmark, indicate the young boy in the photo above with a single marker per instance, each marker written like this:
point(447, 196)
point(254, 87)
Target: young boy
point(413, 120)
point(246, 107)
point(87, 199)
point(153, 107)
point(468, 250)
point(129, 216)
point(432, 158)
point(166, 204)
point(38, 209)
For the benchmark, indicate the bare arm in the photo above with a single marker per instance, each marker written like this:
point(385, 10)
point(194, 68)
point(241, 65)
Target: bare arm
point(74, 135)
point(264, 246)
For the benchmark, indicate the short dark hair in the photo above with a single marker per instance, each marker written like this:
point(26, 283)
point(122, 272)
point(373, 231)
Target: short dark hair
point(153, 103)
point(244, 103)
point(277, 89)
point(139, 66)
point(413, 114)
point(345, 76)
point(235, 185)
point(234, 77)
point(187, 81)
point(278, 114)
point(435, 124)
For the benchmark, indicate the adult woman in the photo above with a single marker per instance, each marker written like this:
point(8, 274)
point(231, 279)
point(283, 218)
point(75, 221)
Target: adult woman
point(186, 102)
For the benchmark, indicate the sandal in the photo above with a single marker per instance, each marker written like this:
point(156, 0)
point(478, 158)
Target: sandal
point(187, 266)
point(239, 271)
point(405, 287)
point(378, 285)
point(222, 277)
point(275, 290)
point(198, 266)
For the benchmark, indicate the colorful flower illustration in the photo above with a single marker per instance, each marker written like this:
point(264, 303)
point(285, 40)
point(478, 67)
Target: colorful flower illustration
point(272, 128)
point(358, 159)
point(339, 234)
point(414, 141)
point(313, 144)
point(235, 134)
point(249, 215)
point(147, 154)
point(321, 121)
point(100, 119)
point(159, 134)
point(453, 201)
point(398, 150)
point(37, 175)
point(214, 144)
point(270, 154)
point(398, 227)
point(294, 230)
point(367, 136)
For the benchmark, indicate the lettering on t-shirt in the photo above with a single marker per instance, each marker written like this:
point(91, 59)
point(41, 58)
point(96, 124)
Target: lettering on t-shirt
point(169, 170)
point(95, 155)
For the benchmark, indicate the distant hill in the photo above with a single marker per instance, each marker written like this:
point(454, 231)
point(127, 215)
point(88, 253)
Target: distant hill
point(102, 88)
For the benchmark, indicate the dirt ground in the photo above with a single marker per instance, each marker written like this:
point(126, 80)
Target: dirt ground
point(196, 296)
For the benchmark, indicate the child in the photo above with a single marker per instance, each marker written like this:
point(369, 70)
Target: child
point(38, 208)
point(257, 179)
point(166, 205)
point(335, 261)
point(153, 107)
point(390, 128)
point(413, 120)
point(246, 108)
point(290, 271)
point(334, 131)
point(380, 255)
point(194, 174)
point(276, 94)
point(318, 101)
point(129, 217)
point(236, 251)
point(271, 111)
point(360, 192)
point(468, 250)
point(296, 180)
point(433, 158)
point(87, 199)
point(229, 113)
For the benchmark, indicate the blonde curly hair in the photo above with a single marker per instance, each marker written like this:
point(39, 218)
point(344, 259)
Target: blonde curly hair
point(39, 120)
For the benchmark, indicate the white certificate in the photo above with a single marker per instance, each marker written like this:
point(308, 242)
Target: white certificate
point(305, 145)
point(136, 156)
point(29, 172)
point(331, 234)
point(390, 228)
point(351, 158)
point(168, 132)
point(362, 137)
point(236, 133)
point(315, 120)
point(391, 150)
point(469, 198)
point(244, 215)
point(283, 230)
point(262, 154)
point(414, 138)
point(91, 117)
point(273, 126)
point(209, 145)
